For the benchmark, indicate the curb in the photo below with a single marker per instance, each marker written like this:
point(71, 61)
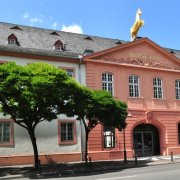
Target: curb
point(12, 176)
point(90, 170)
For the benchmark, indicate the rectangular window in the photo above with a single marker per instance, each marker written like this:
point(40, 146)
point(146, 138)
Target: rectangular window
point(12, 41)
point(177, 86)
point(70, 71)
point(67, 132)
point(107, 82)
point(109, 137)
point(179, 133)
point(157, 83)
point(6, 133)
point(133, 86)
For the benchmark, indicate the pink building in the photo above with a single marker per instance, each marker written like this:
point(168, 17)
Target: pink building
point(146, 77)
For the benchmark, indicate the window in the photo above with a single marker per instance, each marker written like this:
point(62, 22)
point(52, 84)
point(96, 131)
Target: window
point(157, 83)
point(6, 133)
point(133, 86)
point(16, 27)
point(54, 33)
point(177, 86)
point(179, 133)
point(109, 137)
point(88, 38)
point(58, 45)
point(107, 82)
point(67, 132)
point(12, 39)
point(70, 72)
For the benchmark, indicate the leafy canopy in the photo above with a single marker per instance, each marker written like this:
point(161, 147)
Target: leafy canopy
point(34, 93)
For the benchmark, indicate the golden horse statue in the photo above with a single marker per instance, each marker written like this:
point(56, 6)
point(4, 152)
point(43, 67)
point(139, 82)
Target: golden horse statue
point(137, 24)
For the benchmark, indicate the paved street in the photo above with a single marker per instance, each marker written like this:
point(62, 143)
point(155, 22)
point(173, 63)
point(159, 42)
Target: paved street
point(160, 172)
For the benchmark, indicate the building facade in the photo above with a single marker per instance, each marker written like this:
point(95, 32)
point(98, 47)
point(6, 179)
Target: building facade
point(140, 73)
point(146, 77)
point(24, 45)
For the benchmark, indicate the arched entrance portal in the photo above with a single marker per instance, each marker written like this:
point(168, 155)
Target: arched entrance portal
point(146, 140)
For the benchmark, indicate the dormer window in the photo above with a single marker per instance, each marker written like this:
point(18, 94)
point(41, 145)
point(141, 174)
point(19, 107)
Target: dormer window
point(87, 52)
point(88, 38)
point(12, 40)
point(58, 45)
point(16, 27)
point(118, 42)
point(54, 33)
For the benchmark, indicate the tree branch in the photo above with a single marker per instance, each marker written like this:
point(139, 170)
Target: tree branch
point(12, 115)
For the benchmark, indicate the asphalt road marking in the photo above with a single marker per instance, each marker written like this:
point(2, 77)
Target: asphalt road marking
point(121, 177)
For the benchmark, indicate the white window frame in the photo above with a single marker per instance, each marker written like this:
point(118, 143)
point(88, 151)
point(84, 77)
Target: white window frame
point(107, 82)
point(109, 137)
point(177, 89)
point(58, 47)
point(12, 41)
point(134, 86)
point(158, 88)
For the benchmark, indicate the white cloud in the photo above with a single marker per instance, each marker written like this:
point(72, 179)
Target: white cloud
point(73, 28)
point(26, 16)
point(35, 20)
point(55, 25)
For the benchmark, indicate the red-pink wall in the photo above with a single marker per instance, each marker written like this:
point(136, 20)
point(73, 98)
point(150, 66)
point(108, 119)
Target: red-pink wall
point(152, 61)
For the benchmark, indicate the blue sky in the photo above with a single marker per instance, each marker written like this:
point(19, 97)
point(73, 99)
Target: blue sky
point(105, 18)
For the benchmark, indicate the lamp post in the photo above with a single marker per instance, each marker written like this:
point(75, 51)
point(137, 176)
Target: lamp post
point(124, 136)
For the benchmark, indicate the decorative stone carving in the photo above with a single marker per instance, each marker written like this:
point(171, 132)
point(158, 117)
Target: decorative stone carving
point(149, 115)
point(139, 62)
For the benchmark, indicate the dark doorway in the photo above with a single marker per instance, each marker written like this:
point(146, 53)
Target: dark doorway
point(146, 140)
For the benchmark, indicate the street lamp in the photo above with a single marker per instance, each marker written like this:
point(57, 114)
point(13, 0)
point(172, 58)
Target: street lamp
point(124, 137)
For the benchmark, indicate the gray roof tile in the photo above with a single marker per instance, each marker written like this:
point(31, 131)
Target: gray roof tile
point(40, 41)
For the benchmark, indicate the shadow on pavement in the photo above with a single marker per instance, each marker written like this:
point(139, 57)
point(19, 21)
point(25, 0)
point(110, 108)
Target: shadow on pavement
point(70, 169)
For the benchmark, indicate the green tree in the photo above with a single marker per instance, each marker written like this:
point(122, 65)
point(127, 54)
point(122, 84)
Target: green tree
point(34, 93)
point(98, 107)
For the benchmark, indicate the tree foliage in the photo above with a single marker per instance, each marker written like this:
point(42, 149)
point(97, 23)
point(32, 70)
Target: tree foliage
point(34, 93)
point(98, 107)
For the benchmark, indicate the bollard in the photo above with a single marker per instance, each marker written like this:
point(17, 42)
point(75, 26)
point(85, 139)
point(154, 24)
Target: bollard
point(136, 162)
point(39, 166)
point(171, 157)
point(90, 163)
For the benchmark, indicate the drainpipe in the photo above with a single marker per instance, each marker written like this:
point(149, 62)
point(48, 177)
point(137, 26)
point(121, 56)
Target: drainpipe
point(79, 74)
point(81, 124)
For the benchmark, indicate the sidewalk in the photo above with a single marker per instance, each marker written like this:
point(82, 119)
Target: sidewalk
point(70, 169)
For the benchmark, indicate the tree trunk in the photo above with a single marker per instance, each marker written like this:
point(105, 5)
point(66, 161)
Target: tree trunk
point(34, 144)
point(86, 142)
point(86, 147)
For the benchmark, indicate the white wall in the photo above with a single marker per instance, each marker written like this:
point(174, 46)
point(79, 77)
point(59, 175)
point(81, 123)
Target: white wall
point(46, 132)
point(24, 61)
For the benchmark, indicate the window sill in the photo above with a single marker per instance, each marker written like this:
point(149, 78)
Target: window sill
point(158, 99)
point(68, 143)
point(9, 144)
point(141, 98)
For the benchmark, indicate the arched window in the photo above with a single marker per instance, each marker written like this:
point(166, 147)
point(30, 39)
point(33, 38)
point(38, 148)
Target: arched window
point(158, 91)
point(177, 88)
point(107, 82)
point(134, 86)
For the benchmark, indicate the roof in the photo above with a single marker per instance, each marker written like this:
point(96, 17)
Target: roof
point(39, 41)
point(35, 40)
